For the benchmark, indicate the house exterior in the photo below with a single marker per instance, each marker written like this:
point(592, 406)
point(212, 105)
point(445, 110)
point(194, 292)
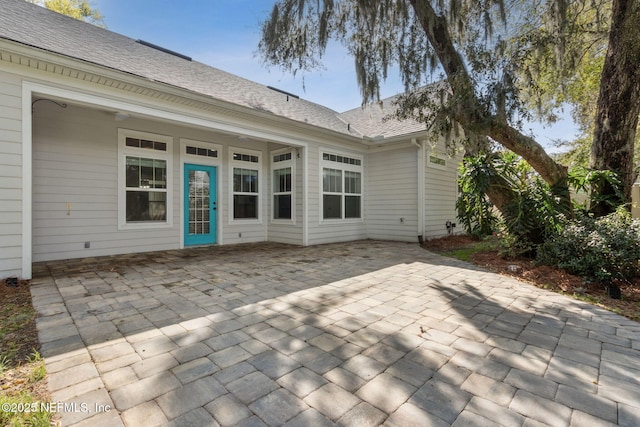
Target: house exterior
point(110, 145)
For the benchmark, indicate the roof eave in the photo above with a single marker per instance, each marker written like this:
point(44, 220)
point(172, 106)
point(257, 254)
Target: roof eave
point(138, 81)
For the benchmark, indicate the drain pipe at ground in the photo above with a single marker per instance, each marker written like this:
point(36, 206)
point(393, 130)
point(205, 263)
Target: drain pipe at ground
point(420, 179)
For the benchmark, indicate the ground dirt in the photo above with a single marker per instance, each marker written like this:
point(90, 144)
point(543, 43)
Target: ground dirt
point(19, 345)
point(18, 335)
point(544, 276)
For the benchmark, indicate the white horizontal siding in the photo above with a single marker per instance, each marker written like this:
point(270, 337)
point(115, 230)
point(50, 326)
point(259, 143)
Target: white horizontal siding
point(75, 158)
point(392, 195)
point(248, 232)
point(289, 233)
point(320, 231)
point(75, 194)
point(244, 231)
point(66, 247)
point(441, 189)
point(10, 175)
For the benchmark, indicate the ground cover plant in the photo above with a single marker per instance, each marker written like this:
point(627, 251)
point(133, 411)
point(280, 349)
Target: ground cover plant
point(602, 249)
point(22, 370)
point(605, 249)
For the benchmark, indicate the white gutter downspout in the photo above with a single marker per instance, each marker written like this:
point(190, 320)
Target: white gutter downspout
point(420, 178)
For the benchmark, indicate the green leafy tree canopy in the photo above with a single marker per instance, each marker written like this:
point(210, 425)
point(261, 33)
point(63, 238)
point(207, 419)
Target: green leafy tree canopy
point(77, 9)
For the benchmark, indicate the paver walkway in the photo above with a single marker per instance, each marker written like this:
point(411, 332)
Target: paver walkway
point(362, 333)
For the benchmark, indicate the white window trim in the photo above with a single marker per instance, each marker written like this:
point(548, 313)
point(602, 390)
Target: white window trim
point(261, 185)
point(291, 163)
point(342, 167)
point(200, 160)
point(205, 161)
point(167, 156)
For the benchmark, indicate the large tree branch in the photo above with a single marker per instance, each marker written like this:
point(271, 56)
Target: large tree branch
point(525, 146)
point(469, 113)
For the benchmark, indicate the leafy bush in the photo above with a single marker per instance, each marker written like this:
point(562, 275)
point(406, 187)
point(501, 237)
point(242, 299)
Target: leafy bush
point(475, 211)
point(605, 249)
point(534, 214)
point(526, 220)
point(588, 181)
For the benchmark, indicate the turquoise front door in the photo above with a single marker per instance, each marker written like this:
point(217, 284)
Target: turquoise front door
point(199, 204)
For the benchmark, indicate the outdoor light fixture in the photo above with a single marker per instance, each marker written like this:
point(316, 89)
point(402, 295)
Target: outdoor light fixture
point(120, 116)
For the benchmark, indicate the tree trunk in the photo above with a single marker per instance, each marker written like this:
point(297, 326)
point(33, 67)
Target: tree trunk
point(618, 102)
point(471, 116)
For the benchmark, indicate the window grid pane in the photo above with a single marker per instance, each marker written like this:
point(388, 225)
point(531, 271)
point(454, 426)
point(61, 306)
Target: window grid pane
point(281, 157)
point(146, 144)
point(245, 180)
point(352, 206)
point(200, 151)
point(282, 180)
point(282, 206)
point(341, 159)
point(332, 206)
point(342, 189)
point(245, 158)
point(145, 173)
point(332, 180)
point(352, 182)
point(245, 207)
point(146, 206)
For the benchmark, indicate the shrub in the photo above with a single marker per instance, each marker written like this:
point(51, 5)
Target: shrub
point(475, 211)
point(605, 249)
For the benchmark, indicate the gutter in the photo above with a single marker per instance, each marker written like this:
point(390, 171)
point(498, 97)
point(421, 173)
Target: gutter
point(420, 177)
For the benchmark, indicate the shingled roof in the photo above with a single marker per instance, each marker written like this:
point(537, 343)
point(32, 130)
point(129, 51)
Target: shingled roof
point(374, 120)
point(69, 37)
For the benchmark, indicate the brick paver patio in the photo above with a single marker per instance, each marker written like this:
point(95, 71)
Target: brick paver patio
point(354, 334)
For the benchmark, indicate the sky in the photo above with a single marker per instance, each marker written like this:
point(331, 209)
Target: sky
point(225, 34)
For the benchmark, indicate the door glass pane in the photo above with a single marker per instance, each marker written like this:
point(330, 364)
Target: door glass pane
point(199, 203)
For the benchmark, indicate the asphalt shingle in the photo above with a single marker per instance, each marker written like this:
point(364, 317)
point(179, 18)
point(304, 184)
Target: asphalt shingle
point(86, 42)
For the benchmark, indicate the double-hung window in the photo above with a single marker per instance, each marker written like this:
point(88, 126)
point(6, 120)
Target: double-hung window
point(341, 186)
point(282, 171)
point(245, 166)
point(144, 195)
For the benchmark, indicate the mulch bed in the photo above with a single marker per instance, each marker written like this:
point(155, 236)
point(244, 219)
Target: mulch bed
point(546, 276)
point(17, 318)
